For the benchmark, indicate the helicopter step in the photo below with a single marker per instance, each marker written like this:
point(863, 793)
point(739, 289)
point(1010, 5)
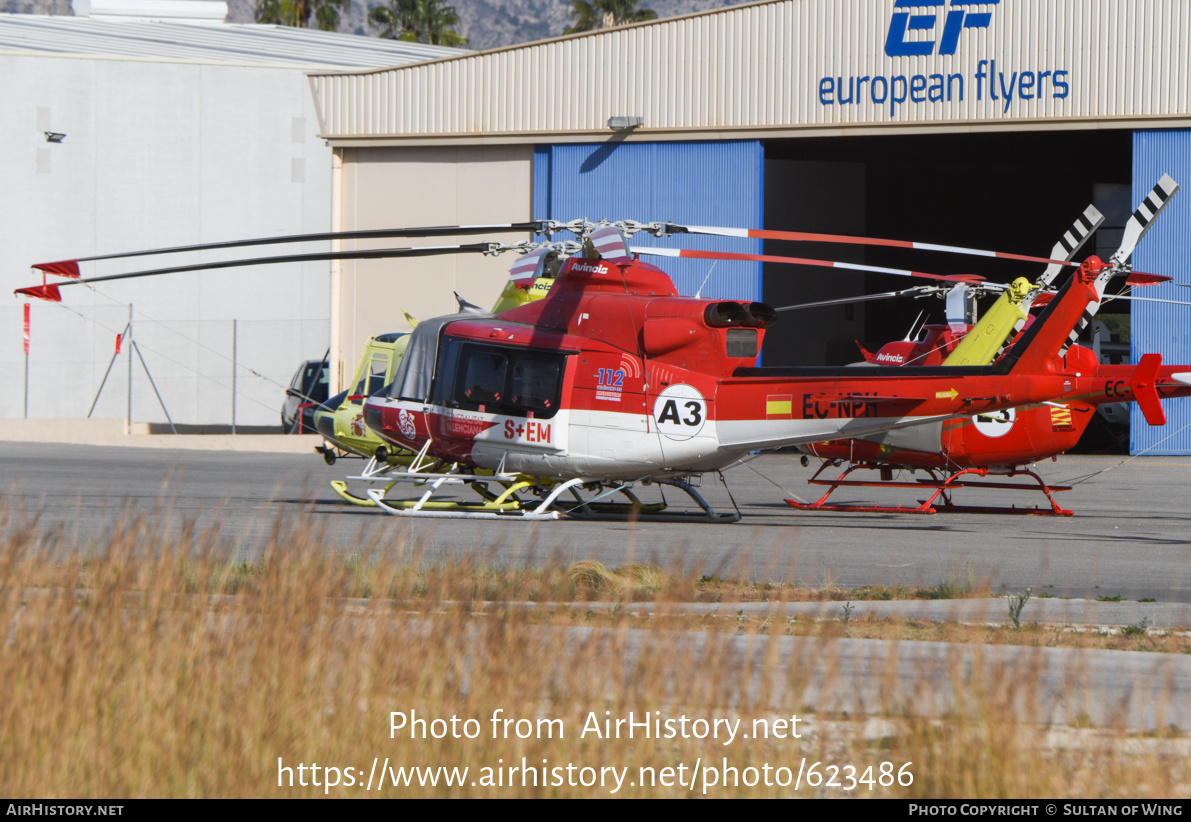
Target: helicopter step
point(943, 487)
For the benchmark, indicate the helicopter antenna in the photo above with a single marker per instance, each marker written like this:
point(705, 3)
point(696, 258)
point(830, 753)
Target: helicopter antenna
point(699, 293)
point(466, 307)
point(912, 332)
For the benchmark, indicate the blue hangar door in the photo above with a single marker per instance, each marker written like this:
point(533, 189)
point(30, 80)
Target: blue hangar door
point(1166, 249)
point(711, 184)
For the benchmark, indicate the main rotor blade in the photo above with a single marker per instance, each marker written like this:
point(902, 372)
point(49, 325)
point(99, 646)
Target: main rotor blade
point(70, 268)
point(865, 298)
point(44, 292)
point(770, 258)
point(803, 236)
point(1110, 297)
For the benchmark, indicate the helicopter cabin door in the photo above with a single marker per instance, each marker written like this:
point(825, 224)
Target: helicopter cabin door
point(609, 422)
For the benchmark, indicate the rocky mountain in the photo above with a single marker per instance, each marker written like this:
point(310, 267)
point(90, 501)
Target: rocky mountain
point(486, 23)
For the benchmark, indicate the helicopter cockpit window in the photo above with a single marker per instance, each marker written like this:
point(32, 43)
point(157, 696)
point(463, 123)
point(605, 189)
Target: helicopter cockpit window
point(509, 381)
point(485, 377)
point(535, 385)
point(376, 373)
point(374, 380)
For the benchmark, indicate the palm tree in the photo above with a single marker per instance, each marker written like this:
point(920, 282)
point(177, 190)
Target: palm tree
point(587, 15)
point(418, 21)
point(297, 13)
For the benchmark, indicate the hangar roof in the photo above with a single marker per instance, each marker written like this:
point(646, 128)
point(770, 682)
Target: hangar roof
point(235, 44)
point(790, 68)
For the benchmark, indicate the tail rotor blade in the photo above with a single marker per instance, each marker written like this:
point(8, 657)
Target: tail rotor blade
point(1143, 217)
point(1071, 241)
point(1140, 221)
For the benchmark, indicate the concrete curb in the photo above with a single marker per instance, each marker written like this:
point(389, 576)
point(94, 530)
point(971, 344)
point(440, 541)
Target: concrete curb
point(988, 611)
point(117, 433)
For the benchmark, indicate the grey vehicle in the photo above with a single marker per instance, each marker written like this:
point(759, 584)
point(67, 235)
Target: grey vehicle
point(307, 389)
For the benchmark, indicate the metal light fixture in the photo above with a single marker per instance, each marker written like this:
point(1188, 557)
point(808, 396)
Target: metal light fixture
point(54, 137)
point(625, 123)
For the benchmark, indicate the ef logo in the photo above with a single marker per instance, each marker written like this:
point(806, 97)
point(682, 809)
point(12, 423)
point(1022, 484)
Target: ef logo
point(922, 15)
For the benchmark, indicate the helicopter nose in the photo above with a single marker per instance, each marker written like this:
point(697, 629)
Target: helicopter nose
point(324, 423)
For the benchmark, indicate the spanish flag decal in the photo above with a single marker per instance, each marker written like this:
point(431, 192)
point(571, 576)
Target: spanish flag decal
point(779, 406)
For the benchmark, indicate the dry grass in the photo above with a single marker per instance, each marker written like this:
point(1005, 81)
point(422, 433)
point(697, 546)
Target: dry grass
point(158, 668)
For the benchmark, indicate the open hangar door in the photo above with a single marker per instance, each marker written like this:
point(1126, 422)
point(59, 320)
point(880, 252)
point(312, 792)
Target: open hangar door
point(1004, 191)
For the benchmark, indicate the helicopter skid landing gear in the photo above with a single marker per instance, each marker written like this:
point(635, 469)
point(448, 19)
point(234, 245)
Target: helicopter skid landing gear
point(374, 471)
point(506, 506)
point(426, 472)
point(634, 508)
point(500, 501)
point(709, 513)
point(943, 488)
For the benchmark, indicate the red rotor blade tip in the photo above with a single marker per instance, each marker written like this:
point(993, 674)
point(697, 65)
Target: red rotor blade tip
point(63, 268)
point(42, 292)
point(1142, 278)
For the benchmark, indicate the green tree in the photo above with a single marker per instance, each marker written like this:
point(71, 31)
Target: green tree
point(417, 21)
point(588, 15)
point(297, 13)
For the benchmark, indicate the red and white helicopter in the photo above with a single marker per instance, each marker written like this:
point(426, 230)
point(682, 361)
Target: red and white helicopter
point(614, 380)
point(954, 451)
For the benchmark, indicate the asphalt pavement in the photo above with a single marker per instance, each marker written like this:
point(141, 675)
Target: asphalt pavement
point(1130, 536)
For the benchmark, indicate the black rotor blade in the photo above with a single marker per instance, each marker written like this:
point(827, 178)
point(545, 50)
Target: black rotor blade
point(367, 254)
point(864, 298)
point(62, 267)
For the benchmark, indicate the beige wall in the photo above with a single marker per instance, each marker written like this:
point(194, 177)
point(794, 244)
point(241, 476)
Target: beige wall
point(399, 187)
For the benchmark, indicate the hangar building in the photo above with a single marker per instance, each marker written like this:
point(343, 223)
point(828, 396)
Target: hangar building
point(141, 124)
point(987, 124)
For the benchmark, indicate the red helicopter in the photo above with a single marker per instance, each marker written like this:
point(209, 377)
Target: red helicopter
point(615, 380)
point(954, 451)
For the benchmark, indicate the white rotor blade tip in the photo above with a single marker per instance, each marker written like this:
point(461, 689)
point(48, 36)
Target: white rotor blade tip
point(719, 231)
